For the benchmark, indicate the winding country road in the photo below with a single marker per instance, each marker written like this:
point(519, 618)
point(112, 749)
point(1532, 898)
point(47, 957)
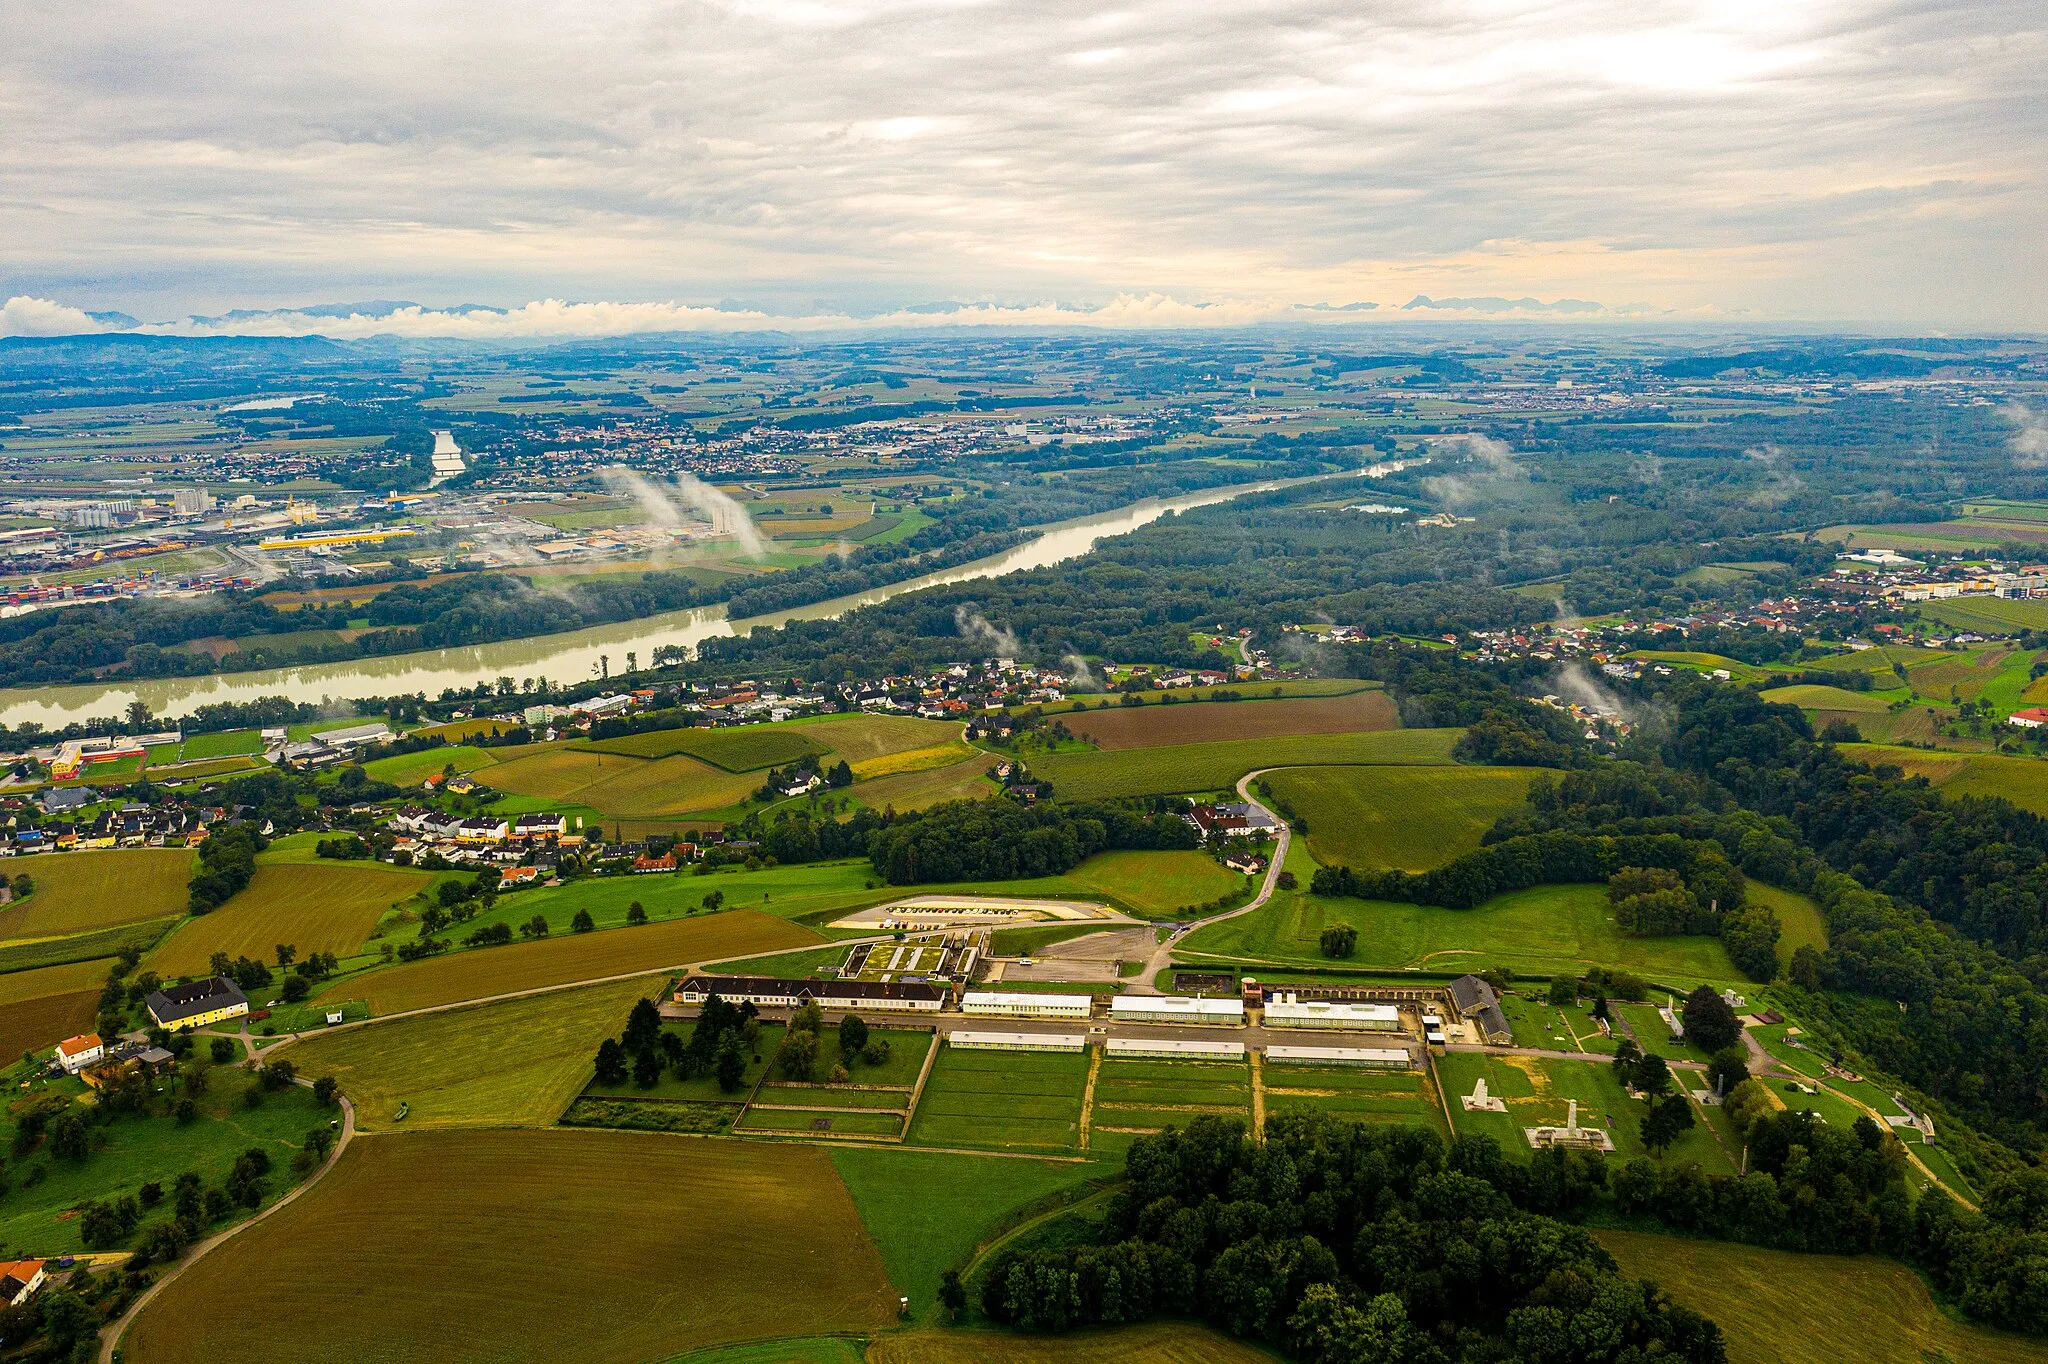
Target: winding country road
point(110, 1334)
point(1162, 955)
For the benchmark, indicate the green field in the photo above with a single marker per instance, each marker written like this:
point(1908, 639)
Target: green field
point(928, 1210)
point(1354, 1095)
point(922, 788)
point(1414, 818)
point(1028, 1101)
point(227, 744)
point(1155, 884)
point(1539, 931)
point(1775, 1307)
point(77, 892)
point(1799, 918)
point(2023, 781)
point(316, 907)
point(1811, 696)
point(513, 1064)
point(1701, 662)
point(569, 1246)
point(42, 1219)
point(1988, 615)
point(410, 769)
point(747, 748)
point(27, 954)
point(1214, 766)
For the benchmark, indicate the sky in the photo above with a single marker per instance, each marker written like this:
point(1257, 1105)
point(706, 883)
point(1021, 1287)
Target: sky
point(595, 169)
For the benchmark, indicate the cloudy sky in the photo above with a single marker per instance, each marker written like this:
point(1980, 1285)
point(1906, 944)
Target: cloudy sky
point(1866, 161)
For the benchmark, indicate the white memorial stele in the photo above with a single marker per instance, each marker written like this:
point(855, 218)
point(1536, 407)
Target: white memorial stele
point(1479, 1101)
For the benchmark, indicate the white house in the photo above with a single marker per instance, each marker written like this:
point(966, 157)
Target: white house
point(76, 1053)
point(994, 1004)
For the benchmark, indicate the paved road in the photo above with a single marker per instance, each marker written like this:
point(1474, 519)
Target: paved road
point(110, 1334)
point(1162, 955)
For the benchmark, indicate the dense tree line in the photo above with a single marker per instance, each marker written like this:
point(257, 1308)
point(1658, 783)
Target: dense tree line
point(1347, 1243)
point(227, 860)
point(998, 839)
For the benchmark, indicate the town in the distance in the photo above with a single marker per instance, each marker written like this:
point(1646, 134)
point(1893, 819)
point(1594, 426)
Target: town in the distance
point(1493, 847)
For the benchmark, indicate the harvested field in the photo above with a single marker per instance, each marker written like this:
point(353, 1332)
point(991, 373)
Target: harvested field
point(1413, 818)
point(1214, 766)
point(518, 1063)
point(747, 748)
point(316, 907)
point(918, 790)
point(485, 971)
point(666, 786)
point(80, 891)
point(1156, 726)
point(31, 1024)
point(1808, 696)
point(857, 738)
point(1775, 1307)
point(557, 1217)
point(912, 760)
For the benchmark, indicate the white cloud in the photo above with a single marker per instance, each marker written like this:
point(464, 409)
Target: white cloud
point(25, 316)
point(1834, 159)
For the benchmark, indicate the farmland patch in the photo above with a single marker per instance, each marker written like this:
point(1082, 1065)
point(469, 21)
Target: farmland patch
point(1122, 727)
point(316, 907)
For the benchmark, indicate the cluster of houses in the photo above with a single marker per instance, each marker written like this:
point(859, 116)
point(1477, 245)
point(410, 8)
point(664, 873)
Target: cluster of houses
point(129, 825)
point(1895, 577)
point(504, 840)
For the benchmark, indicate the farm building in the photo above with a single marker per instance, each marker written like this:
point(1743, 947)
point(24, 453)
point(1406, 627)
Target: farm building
point(1372, 1058)
point(1478, 1005)
point(1020, 1041)
point(1176, 1009)
point(1175, 1049)
point(213, 1000)
point(994, 1004)
point(76, 1053)
point(18, 1280)
point(768, 992)
point(1291, 1011)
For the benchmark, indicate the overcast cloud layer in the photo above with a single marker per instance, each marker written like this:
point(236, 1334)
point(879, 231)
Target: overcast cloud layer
point(718, 165)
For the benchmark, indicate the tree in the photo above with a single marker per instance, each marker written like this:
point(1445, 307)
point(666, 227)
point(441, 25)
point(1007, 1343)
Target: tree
point(1652, 1075)
point(646, 1069)
point(952, 1295)
point(1729, 1068)
point(1710, 1023)
point(853, 1035)
point(1339, 941)
point(286, 954)
point(808, 1019)
point(296, 988)
point(582, 923)
point(841, 775)
point(1564, 991)
point(222, 1050)
point(714, 900)
point(278, 1075)
point(611, 1062)
point(732, 1065)
point(1666, 1122)
point(635, 914)
point(797, 1057)
point(326, 1090)
point(643, 1027)
point(1806, 967)
point(536, 927)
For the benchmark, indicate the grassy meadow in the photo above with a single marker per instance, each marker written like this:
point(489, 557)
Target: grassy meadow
point(1413, 818)
point(1539, 931)
point(571, 1246)
point(1214, 766)
point(1017, 1101)
point(516, 1063)
point(2023, 781)
point(1775, 1307)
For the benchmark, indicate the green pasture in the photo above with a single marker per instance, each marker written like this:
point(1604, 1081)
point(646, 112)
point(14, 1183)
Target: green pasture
point(226, 744)
point(745, 748)
point(2023, 781)
point(410, 769)
point(1544, 930)
point(1537, 1091)
point(1216, 766)
point(1413, 818)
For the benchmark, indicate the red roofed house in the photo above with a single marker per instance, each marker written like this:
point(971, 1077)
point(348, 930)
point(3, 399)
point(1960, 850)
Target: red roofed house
point(2033, 717)
point(665, 862)
point(76, 1053)
point(19, 1279)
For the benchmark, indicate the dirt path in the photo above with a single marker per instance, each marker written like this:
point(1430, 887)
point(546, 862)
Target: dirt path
point(111, 1333)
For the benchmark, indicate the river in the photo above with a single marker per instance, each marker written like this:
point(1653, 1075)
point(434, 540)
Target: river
point(575, 656)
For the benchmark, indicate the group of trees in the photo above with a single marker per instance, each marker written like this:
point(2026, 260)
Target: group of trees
point(227, 860)
point(1347, 1243)
point(642, 1050)
point(999, 840)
